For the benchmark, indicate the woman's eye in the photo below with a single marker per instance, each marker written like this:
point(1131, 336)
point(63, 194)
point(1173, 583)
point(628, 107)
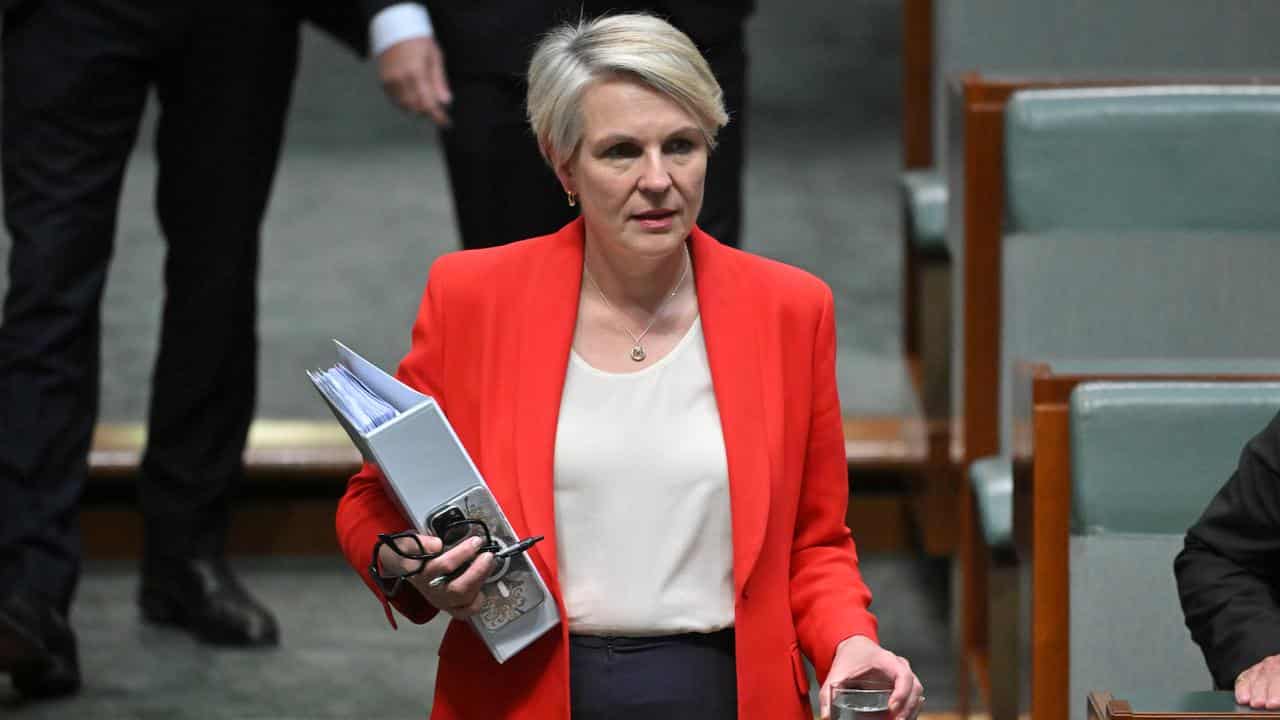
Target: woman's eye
point(622, 150)
point(680, 146)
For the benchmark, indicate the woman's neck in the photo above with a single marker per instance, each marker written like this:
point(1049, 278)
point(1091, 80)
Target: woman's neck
point(636, 282)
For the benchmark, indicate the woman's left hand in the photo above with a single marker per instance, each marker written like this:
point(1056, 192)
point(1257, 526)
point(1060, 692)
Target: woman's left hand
point(859, 658)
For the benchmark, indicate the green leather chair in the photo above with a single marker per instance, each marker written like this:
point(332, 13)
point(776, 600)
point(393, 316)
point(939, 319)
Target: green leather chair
point(1079, 37)
point(1146, 458)
point(1041, 37)
point(1141, 227)
point(1046, 39)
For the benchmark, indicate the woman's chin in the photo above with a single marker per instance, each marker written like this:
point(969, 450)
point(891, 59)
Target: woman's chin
point(657, 243)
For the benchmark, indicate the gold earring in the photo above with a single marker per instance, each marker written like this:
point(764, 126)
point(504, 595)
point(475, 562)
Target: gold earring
point(573, 199)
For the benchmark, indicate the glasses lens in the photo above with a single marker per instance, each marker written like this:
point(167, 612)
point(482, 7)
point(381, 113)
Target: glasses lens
point(406, 545)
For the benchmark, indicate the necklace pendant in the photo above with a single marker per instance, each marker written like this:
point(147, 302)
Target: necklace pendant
point(637, 353)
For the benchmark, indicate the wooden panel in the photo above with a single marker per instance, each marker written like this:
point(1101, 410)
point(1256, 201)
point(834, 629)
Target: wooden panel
point(917, 143)
point(934, 495)
point(910, 292)
point(276, 448)
point(879, 523)
point(917, 83)
point(983, 212)
point(1050, 514)
point(310, 450)
point(304, 526)
point(983, 220)
point(287, 526)
point(885, 442)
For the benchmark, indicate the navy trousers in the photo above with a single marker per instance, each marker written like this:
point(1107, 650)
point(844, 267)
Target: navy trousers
point(671, 677)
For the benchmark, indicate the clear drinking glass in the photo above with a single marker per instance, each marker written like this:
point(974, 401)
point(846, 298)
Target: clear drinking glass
point(861, 700)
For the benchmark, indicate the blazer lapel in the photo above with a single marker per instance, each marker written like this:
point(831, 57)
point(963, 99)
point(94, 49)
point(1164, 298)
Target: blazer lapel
point(734, 356)
point(548, 311)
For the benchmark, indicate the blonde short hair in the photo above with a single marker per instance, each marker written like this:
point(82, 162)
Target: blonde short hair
point(643, 47)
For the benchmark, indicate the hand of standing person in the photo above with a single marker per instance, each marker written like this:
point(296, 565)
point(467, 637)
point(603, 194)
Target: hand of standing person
point(412, 74)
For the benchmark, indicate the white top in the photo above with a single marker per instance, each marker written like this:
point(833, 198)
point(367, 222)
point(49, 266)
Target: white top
point(642, 498)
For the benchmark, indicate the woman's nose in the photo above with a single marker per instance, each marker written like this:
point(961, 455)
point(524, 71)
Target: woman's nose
point(654, 175)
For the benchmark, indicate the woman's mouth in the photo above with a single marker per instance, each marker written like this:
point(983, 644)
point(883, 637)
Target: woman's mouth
point(660, 219)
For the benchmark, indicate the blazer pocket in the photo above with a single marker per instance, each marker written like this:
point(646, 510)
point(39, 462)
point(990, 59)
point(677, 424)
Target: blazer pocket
point(797, 670)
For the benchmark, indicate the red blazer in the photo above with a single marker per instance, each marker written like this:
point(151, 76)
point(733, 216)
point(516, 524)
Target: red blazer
point(491, 344)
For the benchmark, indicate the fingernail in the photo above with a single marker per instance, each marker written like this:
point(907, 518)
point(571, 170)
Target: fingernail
point(476, 542)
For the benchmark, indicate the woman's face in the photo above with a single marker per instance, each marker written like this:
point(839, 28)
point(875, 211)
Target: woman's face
point(639, 170)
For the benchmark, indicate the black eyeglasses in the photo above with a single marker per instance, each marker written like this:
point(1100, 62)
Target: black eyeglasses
point(450, 534)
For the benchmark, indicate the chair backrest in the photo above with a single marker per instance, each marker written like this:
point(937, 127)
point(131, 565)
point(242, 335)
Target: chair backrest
point(1057, 37)
point(1143, 158)
point(1146, 458)
point(1140, 223)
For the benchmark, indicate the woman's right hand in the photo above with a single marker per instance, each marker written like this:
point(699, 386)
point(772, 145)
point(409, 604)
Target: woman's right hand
point(461, 597)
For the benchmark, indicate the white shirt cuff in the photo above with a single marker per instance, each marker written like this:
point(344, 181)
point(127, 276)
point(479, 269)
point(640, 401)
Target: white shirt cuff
point(398, 22)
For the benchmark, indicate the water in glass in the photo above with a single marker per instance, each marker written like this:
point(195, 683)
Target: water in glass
point(860, 704)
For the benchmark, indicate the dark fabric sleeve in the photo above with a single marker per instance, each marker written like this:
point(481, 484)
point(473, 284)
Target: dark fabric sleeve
point(347, 21)
point(1229, 569)
point(373, 7)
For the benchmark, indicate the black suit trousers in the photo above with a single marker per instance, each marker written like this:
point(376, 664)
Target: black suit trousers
point(503, 190)
point(76, 77)
point(721, 215)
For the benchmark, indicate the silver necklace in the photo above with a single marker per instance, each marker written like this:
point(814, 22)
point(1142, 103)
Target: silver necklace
point(637, 347)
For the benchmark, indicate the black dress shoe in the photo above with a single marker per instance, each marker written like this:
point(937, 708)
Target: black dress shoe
point(37, 647)
point(201, 595)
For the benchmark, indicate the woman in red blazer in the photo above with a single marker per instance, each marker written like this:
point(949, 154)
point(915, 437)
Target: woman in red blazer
point(523, 345)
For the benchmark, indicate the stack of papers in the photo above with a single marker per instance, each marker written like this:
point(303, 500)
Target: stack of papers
point(358, 403)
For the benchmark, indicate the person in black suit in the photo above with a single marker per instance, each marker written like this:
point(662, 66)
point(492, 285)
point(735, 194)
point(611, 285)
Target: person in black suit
point(76, 78)
point(463, 66)
point(1229, 576)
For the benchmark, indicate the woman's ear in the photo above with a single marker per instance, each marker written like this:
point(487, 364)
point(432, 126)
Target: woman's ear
point(562, 166)
point(564, 173)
